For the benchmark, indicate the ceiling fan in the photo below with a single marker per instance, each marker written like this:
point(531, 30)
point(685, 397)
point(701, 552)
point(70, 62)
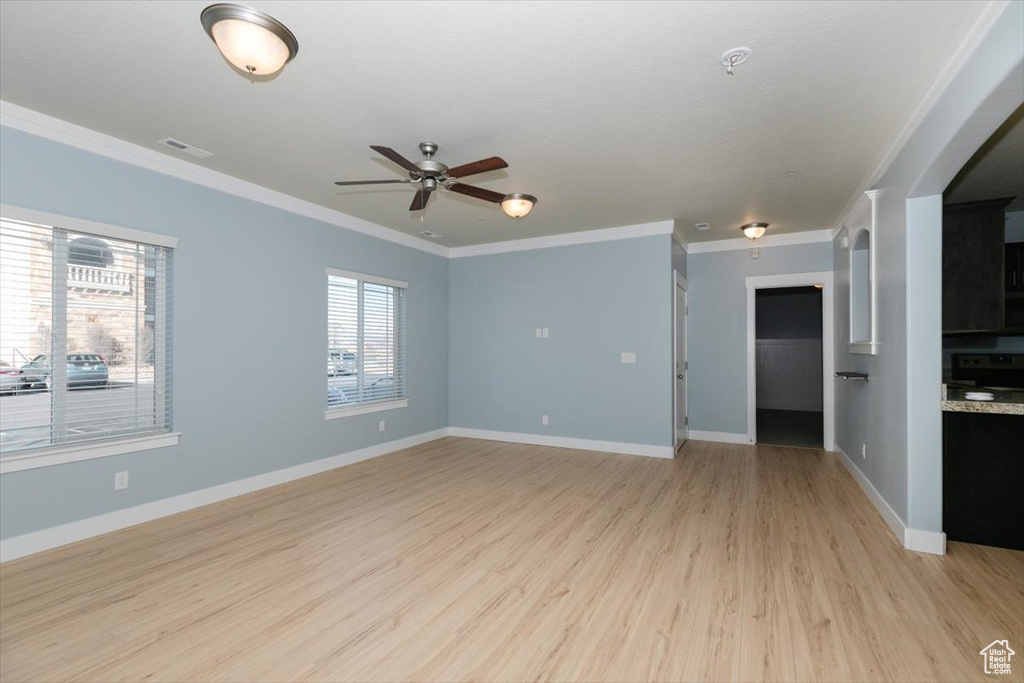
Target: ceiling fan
point(430, 174)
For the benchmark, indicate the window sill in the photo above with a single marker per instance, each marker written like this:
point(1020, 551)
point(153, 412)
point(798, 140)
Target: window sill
point(335, 413)
point(61, 455)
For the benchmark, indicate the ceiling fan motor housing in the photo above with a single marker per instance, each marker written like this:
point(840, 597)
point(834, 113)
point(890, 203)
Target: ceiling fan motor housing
point(431, 168)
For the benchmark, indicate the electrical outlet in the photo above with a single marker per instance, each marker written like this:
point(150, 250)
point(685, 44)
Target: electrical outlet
point(628, 357)
point(536, 333)
point(863, 451)
point(543, 419)
point(544, 332)
point(382, 425)
point(120, 480)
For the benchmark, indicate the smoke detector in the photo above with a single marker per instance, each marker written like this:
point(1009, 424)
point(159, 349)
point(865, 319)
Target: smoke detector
point(179, 146)
point(735, 57)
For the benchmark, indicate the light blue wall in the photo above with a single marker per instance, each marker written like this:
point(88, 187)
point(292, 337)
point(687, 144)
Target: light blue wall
point(718, 326)
point(597, 300)
point(249, 333)
point(898, 413)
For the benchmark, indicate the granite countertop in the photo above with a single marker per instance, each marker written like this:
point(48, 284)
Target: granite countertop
point(1006, 402)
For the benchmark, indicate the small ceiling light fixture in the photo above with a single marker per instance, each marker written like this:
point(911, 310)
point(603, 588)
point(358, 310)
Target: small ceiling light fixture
point(254, 42)
point(734, 57)
point(517, 204)
point(754, 230)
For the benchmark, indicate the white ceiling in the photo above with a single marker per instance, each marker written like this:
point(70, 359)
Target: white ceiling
point(612, 113)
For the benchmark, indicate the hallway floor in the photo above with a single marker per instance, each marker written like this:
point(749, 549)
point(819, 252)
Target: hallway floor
point(790, 428)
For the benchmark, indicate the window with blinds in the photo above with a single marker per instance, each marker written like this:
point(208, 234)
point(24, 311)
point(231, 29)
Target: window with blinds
point(85, 337)
point(365, 343)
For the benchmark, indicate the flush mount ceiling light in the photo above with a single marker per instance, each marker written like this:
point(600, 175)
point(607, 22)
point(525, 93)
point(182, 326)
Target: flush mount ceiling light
point(517, 204)
point(254, 42)
point(754, 230)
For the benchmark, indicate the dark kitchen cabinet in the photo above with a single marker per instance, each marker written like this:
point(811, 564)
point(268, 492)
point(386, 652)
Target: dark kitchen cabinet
point(974, 266)
point(1015, 269)
point(983, 479)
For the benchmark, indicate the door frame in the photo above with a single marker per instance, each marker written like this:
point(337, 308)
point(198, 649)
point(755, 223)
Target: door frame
point(679, 282)
point(756, 282)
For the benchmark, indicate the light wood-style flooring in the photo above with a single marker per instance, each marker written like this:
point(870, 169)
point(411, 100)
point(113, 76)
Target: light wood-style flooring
point(476, 560)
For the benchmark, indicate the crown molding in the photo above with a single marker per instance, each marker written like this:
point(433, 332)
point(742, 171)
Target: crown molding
point(784, 240)
point(57, 130)
point(565, 239)
point(981, 27)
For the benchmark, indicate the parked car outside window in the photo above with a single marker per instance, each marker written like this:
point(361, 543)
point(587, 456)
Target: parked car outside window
point(10, 378)
point(84, 370)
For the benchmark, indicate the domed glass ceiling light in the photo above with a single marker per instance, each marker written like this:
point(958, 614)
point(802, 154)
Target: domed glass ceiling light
point(754, 230)
point(517, 204)
point(254, 42)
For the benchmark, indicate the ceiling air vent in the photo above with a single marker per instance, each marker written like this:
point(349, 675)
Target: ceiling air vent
point(431, 235)
point(180, 146)
point(702, 226)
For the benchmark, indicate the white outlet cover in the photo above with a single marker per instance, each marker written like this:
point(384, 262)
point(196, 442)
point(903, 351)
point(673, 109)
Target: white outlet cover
point(628, 357)
point(120, 481)
point(536, 333)
point(543, 419)
point(544, 332)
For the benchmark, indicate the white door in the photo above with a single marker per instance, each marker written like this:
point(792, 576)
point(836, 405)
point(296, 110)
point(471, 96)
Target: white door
point(682, 367)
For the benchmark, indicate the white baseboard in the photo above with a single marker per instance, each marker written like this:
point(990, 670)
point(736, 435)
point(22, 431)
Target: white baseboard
point(45, 539)
point(566, 442)
point(921, 541)
point(933, 542)
point(721, 437)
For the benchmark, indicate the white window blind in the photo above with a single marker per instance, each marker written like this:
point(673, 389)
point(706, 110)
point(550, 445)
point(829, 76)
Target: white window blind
point(85, 337)
point(365, 340)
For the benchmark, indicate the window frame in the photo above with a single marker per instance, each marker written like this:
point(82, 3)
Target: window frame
point(59, 454)
point(336, 412)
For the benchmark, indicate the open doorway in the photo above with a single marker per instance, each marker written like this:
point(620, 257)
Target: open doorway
point(790, 400)
point(795, 374)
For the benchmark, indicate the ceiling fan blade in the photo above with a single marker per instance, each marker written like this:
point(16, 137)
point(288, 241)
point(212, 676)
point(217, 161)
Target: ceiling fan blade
point(368, 182)
point(482, 166)
point(396, 157)
point(477, 192)
point(419, 202)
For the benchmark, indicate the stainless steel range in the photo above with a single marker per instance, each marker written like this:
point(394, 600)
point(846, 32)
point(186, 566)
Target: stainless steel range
point(995, 370)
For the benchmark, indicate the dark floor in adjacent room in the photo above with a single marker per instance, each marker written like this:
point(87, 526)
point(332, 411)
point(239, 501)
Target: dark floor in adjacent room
point(790, 428)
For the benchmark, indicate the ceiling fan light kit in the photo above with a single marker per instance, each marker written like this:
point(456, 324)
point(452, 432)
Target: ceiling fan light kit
point(517, 204)
point(252, 41)
point(432, 174)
